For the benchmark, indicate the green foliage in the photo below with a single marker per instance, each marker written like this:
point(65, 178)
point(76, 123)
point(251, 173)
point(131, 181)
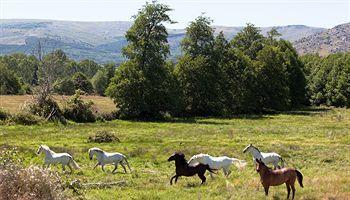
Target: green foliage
point(273, 88)
point(45, 106)
point(81, 82)
point(25, 118)
point(102, 78)
point(77, 110)
point(64, 86)
point(9, 82)
point(103, 137)
point(199, 72)
point(88, 67)
point(250, 41)
point(4, 115)
point(141, 87)
point(328, 79)
point(199, 37)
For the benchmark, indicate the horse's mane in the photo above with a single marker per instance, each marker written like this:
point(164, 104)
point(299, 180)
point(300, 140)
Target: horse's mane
point(96, 149)
point(45, 147)
point(256, 148)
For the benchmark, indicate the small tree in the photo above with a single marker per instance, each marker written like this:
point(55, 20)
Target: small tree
point(77, 110)
point(140, 87)
point(80, 81)
point(9, 82)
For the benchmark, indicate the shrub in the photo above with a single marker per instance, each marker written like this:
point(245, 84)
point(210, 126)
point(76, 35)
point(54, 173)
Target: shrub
point(64, 86)
point(103, 136)
point(26, 183)
point(4, 115)
point(45, 106)
point(79, 111)
point(108, 116)
point(9, 82)
point(25, 119)
point(80, 81)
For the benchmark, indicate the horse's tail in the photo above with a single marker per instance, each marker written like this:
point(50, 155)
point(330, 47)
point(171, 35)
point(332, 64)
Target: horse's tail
point(74, 164)
point(300, 178)
point(239, 163)
point(282, 162)
point(127, 163)
point(209, 169)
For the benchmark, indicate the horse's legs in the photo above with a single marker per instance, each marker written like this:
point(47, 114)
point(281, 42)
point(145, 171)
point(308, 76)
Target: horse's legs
point(63, 168)
point(293, 190)
point(123, 167)
point(202, 177)
point(96, 165)
point(70, 168)
point(176, 179)
point(266, 190)
point(288, 190)
point(225, 171)
point(211, 175)
point(115, 168)
point(228, 172)
point(171, 180)
point(103, 168)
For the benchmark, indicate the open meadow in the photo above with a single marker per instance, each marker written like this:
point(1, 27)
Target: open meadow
point(315, 141)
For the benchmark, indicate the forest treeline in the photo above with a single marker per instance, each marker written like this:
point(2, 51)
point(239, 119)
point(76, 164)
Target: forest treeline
point(213, 77)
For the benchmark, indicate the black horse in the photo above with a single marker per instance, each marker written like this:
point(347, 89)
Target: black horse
point(183, 169)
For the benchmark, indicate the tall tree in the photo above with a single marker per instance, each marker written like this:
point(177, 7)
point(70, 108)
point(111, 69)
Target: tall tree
point(199, 72)
point(249, 41)
point(140, 86)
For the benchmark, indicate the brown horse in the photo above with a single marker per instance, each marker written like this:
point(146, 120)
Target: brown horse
point(184, 169)
point(271, 177)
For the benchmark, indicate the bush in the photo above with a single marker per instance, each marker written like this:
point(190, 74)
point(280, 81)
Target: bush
point(25, 119)
point(79, 111)
point(4, 115)
point(103, 136)
point(9, 82)
point(80, 81)
point(26, 183)
point(64, 86)
point(44, 106)
point(108, 116)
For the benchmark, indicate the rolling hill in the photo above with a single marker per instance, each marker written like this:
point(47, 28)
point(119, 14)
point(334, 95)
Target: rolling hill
point(101, 41)
point(333, 40)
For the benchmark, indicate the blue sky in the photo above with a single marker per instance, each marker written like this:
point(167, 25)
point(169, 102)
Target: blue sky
point(320, 13)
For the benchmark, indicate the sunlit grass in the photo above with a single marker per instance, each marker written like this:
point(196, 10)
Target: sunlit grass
point(316, 141)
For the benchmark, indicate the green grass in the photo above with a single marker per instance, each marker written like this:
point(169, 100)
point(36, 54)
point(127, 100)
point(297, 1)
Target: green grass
point(316, 142)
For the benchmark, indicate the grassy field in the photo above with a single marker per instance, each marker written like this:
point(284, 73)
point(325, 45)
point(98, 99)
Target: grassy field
point(317, 142)
point(14, 103)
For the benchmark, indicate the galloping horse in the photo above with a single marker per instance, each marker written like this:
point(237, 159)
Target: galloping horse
point(271, 177)
point(53, 158)
point(104, 158)
point(217, 163)
point(267, 158)
point(184, 169)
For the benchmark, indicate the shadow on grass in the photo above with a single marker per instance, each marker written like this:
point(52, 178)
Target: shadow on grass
point(213, 120)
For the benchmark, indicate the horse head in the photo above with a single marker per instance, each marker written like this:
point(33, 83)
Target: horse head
point(92, 151)
point(248, 147)
point(260, 165)
point(41, 148)
point(176, 156)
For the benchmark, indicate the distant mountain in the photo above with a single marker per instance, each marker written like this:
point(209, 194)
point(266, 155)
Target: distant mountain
point(333, 40)
point(101, 41)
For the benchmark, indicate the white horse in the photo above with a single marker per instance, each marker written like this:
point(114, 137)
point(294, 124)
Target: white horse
point(104, 158)
point(217, 163)
point(53, 158)
point(266, 158)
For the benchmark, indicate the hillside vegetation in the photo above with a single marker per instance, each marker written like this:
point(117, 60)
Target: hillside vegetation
point(334, 40)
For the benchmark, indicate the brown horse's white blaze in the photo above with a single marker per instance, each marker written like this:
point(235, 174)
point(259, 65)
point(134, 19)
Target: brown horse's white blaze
point(271, 177)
